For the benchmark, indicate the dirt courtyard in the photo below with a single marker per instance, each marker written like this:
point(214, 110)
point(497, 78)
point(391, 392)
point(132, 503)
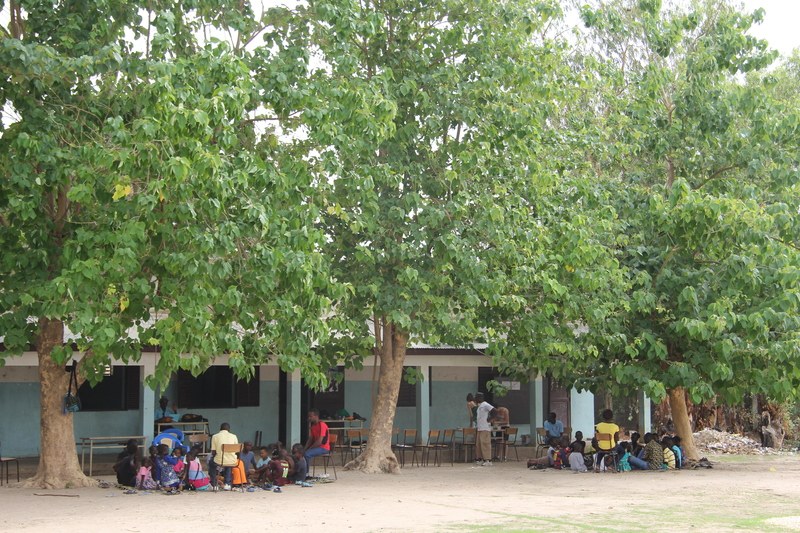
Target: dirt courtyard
point(741, 493)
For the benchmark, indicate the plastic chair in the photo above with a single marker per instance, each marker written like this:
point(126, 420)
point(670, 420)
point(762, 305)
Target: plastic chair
point(5, 462)
point(327, 458)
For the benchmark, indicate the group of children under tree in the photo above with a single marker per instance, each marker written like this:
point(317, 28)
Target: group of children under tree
point(653, 452)
point(170, 470)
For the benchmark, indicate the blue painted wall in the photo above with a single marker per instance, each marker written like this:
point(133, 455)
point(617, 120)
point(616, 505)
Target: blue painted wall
point(19, 419)
point(448, 409)
point(19, 414)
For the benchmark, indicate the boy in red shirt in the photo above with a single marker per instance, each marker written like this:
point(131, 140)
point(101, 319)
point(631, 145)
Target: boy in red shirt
point(318, 436)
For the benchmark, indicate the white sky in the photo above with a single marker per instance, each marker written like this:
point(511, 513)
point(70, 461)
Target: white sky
point(780, 26)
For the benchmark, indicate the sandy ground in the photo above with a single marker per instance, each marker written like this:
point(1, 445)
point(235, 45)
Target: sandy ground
point(738, 494)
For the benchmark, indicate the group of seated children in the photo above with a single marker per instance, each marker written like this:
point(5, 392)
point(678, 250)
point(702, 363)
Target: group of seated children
point(580, 456)
point(274, 467)
point(172, 471)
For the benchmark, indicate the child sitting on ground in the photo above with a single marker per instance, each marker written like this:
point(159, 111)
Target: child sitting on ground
point(636, 446)
point(170, 480)
point(561, 454)
point(258, 475)
point(196, 479)
point(144, 476)
point(624, 460)
point(248, 457)
point(156, 466)
point(676, 449)
point(300, 465)
point(278, 469)
point(576, 462)
point(578, 439)
point(669, 455)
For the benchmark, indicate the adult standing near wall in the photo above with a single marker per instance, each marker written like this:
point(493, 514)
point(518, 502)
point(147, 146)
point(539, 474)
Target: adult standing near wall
point(471, 409)
point(500, 422)
point(483, 442)
point(227, 460)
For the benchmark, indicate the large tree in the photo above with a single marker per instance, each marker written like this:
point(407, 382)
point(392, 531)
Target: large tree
point(138, 206)
point(443, 210)
point(703, 169)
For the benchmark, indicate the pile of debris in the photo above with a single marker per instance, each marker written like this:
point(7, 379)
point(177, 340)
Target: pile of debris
point(713, 441)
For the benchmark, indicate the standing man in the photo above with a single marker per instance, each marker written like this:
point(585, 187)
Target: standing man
point(483, 441)
point(318, 436)
point(554, 429)
point(500, 422)
point(218, 460)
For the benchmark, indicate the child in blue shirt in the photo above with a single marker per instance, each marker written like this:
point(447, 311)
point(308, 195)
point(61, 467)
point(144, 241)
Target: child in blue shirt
point(624, 462)
point(676, 449)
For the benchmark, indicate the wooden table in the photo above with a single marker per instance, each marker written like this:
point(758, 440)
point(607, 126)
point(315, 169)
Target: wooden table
point(105, 443)
point(186, 427)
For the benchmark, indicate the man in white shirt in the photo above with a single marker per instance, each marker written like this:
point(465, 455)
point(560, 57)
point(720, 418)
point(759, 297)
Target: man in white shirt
point(219, 460)
point(483, 442)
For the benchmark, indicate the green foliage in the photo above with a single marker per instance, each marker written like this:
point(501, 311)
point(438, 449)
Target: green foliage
point(702, 171)
point(137, 206)
point(427, 130)
point(619, 212)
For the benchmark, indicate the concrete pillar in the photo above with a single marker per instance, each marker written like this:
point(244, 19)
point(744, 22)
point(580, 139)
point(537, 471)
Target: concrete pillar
point(148, 397)
point(581, 413)
point(537, 407)
point(645, 423)
point(424, 403)
point(294, 418)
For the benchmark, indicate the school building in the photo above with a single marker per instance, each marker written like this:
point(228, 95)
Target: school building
point(276, 403)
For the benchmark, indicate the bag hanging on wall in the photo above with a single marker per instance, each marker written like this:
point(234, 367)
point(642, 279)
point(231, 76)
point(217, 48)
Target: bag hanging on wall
point(72, 404)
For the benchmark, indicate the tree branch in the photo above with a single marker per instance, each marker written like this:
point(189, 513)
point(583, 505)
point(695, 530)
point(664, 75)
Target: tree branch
point(717, 173)
point(266, 118)
point(667, 259)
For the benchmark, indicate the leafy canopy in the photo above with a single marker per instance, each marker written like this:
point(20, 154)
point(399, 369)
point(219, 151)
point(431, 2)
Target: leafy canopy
point(139, 204)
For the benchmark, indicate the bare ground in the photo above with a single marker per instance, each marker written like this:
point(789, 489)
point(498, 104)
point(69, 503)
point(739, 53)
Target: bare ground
point(741, 493)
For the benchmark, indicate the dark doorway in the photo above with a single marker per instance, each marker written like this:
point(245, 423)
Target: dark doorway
point(516, 400)
point(283, 404)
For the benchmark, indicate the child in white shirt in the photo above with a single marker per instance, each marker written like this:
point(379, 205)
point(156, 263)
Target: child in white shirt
point(576, 463)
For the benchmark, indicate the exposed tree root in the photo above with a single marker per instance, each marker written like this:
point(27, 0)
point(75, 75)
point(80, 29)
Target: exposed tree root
point(378, 465)
point(50, 482)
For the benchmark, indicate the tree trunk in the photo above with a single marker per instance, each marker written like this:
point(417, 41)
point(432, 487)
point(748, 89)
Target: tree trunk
point(58, 460)
point(378, 455)
point(680, 417)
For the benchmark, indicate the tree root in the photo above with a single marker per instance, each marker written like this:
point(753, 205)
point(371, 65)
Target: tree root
point(51, 482)
point(377, 465)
